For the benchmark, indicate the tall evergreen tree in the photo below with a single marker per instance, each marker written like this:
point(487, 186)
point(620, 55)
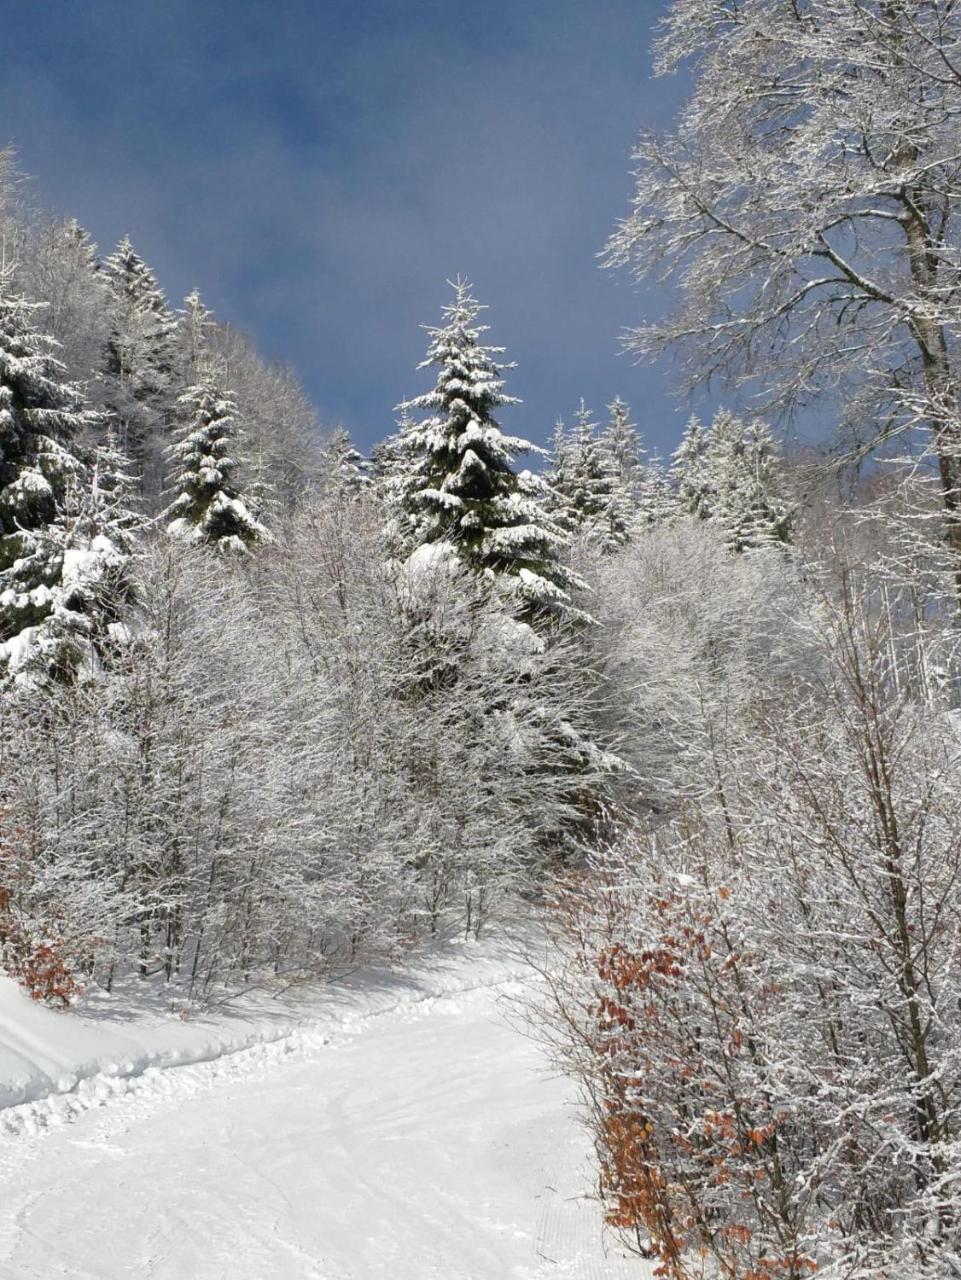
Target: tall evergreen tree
point(383, 461)
point(596, 501)
point(84, 251)
point(348, 473)
point(692, 472)
point(560, 480)
point(457, 483)
point(44, 610)
point(261, 493)
point(102, 524)
point(114, 499)
point(750, 506)
point(208, 508)
point(728, 474)
point(67, 269)
point(390, 460)
point(622, 441)
point(193, 331)
point(139, 363)
point(655, 501)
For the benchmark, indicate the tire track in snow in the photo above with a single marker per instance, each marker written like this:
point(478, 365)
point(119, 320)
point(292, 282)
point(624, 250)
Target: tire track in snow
point(569, 1226)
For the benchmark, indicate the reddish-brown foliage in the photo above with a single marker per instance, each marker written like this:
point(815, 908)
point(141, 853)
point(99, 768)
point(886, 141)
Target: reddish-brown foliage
point(661, 1182)
point(36, 955)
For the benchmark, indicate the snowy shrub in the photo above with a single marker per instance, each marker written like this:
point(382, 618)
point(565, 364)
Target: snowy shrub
point(762, 997)
point(35, 948)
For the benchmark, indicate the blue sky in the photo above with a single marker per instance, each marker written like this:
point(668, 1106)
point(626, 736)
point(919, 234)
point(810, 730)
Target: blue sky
point(320, 168)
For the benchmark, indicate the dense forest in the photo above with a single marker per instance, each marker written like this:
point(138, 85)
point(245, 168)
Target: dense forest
point(271, 708)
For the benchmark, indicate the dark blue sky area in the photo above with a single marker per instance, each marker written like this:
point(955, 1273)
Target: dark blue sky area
point(319, 168)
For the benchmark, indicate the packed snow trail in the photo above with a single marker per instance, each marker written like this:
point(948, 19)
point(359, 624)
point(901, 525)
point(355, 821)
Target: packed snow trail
point(429, 1141)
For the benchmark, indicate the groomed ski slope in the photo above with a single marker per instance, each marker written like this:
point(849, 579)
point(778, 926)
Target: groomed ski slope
point(403, 1135)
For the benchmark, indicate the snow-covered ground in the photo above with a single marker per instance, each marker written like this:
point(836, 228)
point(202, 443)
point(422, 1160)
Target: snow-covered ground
point(400, 1128)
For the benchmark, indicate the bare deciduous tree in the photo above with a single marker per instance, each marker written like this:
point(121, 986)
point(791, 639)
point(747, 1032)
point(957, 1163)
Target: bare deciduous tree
point(807, 203)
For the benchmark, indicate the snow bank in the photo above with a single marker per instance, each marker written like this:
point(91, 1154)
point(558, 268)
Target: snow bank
point(54, 1066)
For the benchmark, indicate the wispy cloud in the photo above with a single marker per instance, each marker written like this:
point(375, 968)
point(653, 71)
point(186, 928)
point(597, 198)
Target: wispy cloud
point(319, 170)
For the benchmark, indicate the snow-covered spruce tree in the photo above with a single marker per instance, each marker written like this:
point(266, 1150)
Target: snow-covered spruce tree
point(195, 323)
point(622, 444)
point(14, 212)
point(208, 507)
point(102, 523)
point(456, 483)
point(391, 463)
point(391, 460)
point(45, 566)
point(199, 358)
point(622, 441)
point(280, 432)
point(114, 505)
point(596, 501)
point(655, 500)
point(642, 497)
point(196, 361)
point(749, 505)
point(82, 249)
point(692, 472)
point(728, 473)
point(557, 501)
point(383, 460)
point(139, 363)
point(348, 467)
point(262, 496)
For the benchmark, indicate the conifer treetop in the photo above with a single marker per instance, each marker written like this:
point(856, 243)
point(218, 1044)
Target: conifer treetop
point(559, 480)
point(78, 237)
point(728, 473)
point(114, 507)
point(622, 436)
point(208, 508)
point(588, 492)
point(750, 505)
point(454, 478)
point(143, 326)
point(131, 279)
point(349, 473)
point(692, 471)
point(195, 323)
point(656, 502)
point(469, 385)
